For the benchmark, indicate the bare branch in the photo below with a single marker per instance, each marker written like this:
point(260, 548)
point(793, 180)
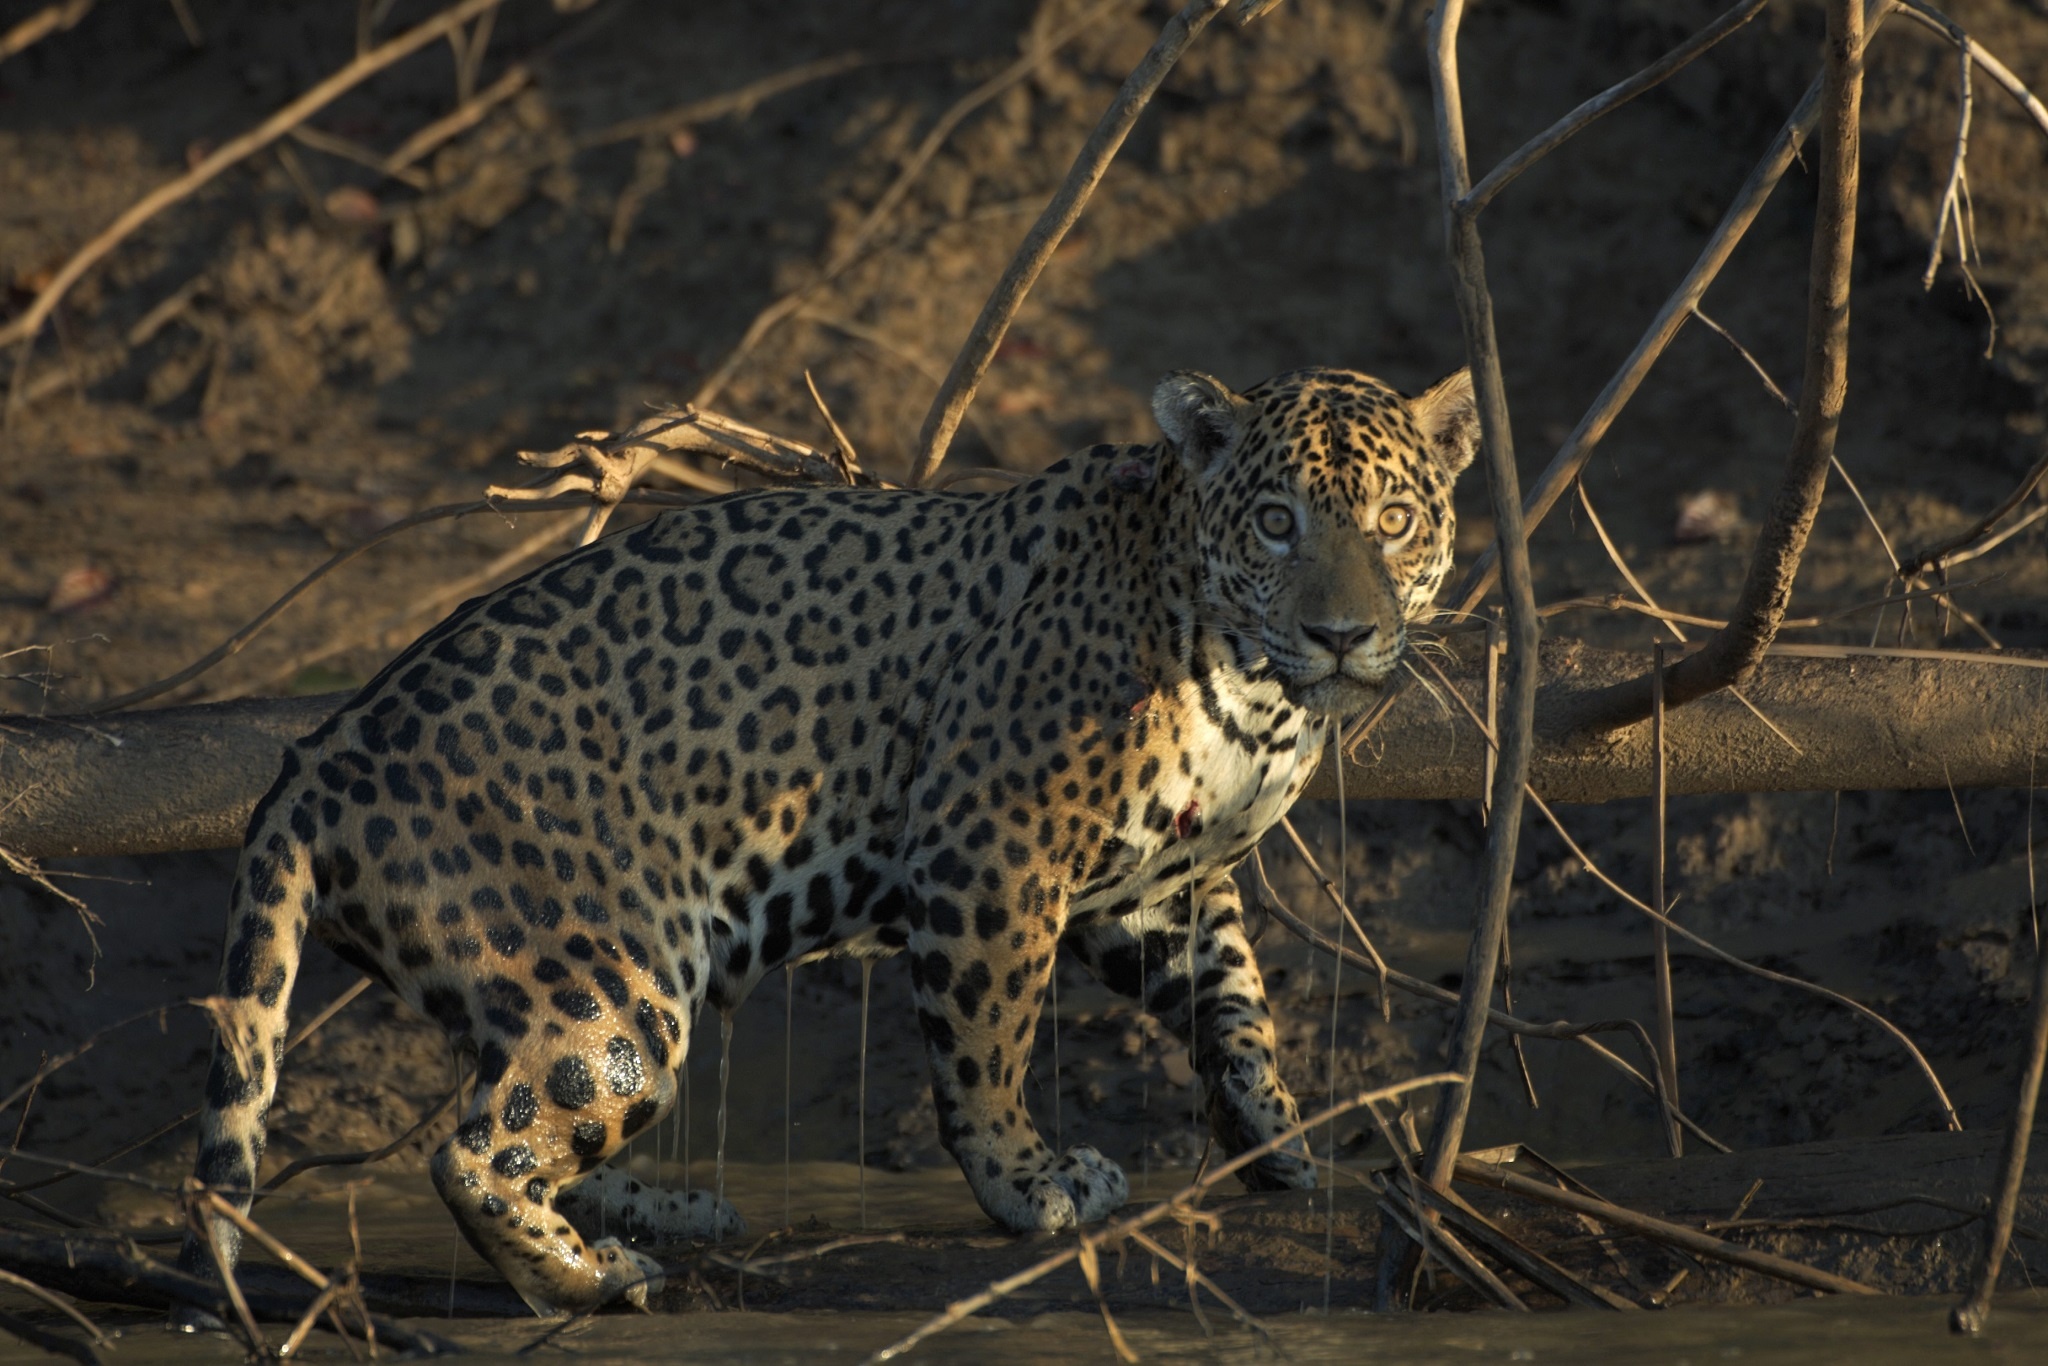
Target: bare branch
point(1581, 1034)
point(1181, 1202)
point(1523, 628)
point(1731, 655)
point(1951, 204)
point(1578, 447)
point(1950, 551)
point(1927, 16)
point(23, 328)
point(950, 404)
point(1609, 100)
point(1495, 1177)
point(732, 102)
point(48, 20)
point(851, 250)
point(1660, 919)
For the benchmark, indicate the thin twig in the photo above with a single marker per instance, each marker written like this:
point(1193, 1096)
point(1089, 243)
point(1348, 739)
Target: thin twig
point(202, 1228)
point(1660, 939)
point(234, 643)
point(458, 120)
point(1578, 447)
point(1620, 564)
point(50, 1342)
point(1974, 1312)
point(79, 1050)
point(1194, 1273)
point(1541, 1270)
point(740, 102)
point(1330, 890)
point(1609, 100)
point(453, 591)
point(50, 19)
point(1564, 1030)
point(1450, 1249)
point(24, 328)
point(1948, 1108)
point(855, 246)
point(360, 1159)
point(58, 1303)
point(1964, 546)
point(1495, 1177)
point(950, 404)
point(1951, 207)
point(1927, 16)
point(299, 1036)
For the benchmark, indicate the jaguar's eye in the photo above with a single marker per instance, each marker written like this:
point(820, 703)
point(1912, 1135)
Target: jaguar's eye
point(1276, 522)
point(1395, 519)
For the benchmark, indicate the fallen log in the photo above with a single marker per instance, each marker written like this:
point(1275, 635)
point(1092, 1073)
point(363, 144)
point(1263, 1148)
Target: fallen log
point(187, 777)
point(1845, 721)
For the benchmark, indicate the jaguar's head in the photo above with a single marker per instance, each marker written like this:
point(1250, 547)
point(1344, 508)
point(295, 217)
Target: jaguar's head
point(1325, 519)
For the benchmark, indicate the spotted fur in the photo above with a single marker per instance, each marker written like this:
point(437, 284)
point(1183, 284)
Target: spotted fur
point(971, 727)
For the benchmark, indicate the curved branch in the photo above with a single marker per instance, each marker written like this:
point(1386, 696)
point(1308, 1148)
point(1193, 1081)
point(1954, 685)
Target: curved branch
point(1732, 654)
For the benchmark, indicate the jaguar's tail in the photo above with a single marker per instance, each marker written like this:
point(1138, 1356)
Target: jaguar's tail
point(268, 912)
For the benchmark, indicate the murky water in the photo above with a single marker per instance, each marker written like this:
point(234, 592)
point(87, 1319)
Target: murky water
point(886, 1294)
point(1903, 1332)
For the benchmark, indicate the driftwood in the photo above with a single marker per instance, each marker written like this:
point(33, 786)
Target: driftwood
point(187, 777)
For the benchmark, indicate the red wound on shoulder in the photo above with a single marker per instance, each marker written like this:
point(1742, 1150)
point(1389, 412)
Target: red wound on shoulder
point(1188, 823)
point(1131, 476)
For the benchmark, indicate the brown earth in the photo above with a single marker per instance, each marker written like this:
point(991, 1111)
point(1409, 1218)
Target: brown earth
point(344, 349)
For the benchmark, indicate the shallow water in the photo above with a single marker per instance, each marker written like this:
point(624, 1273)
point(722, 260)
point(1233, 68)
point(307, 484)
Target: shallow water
point(887, 1292)
point(1895, 1332)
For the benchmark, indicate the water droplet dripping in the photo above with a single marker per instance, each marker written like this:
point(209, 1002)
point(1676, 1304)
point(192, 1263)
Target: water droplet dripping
point(788, 1105)
point(1059, 1140)
point(1336, 998)
point(867, 975)
point(724, 1077)
point(1144, 1075)
point(1194, 1058)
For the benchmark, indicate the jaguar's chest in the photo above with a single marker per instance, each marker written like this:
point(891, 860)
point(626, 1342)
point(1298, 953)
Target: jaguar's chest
point(1243, 758)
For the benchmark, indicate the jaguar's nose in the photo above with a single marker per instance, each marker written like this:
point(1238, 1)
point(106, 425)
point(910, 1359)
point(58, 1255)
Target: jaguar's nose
point(1339, 637)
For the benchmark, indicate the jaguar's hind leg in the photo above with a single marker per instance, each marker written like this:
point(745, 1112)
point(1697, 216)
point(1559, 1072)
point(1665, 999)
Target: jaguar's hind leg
point(1215, 1002)
point(561, 1106)
point(612, 1203)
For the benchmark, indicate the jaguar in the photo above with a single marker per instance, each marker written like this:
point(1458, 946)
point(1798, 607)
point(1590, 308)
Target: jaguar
point(977, 728)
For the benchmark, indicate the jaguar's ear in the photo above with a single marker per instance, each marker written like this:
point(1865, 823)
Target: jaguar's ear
point(1201, 417)
point(1448, 415)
